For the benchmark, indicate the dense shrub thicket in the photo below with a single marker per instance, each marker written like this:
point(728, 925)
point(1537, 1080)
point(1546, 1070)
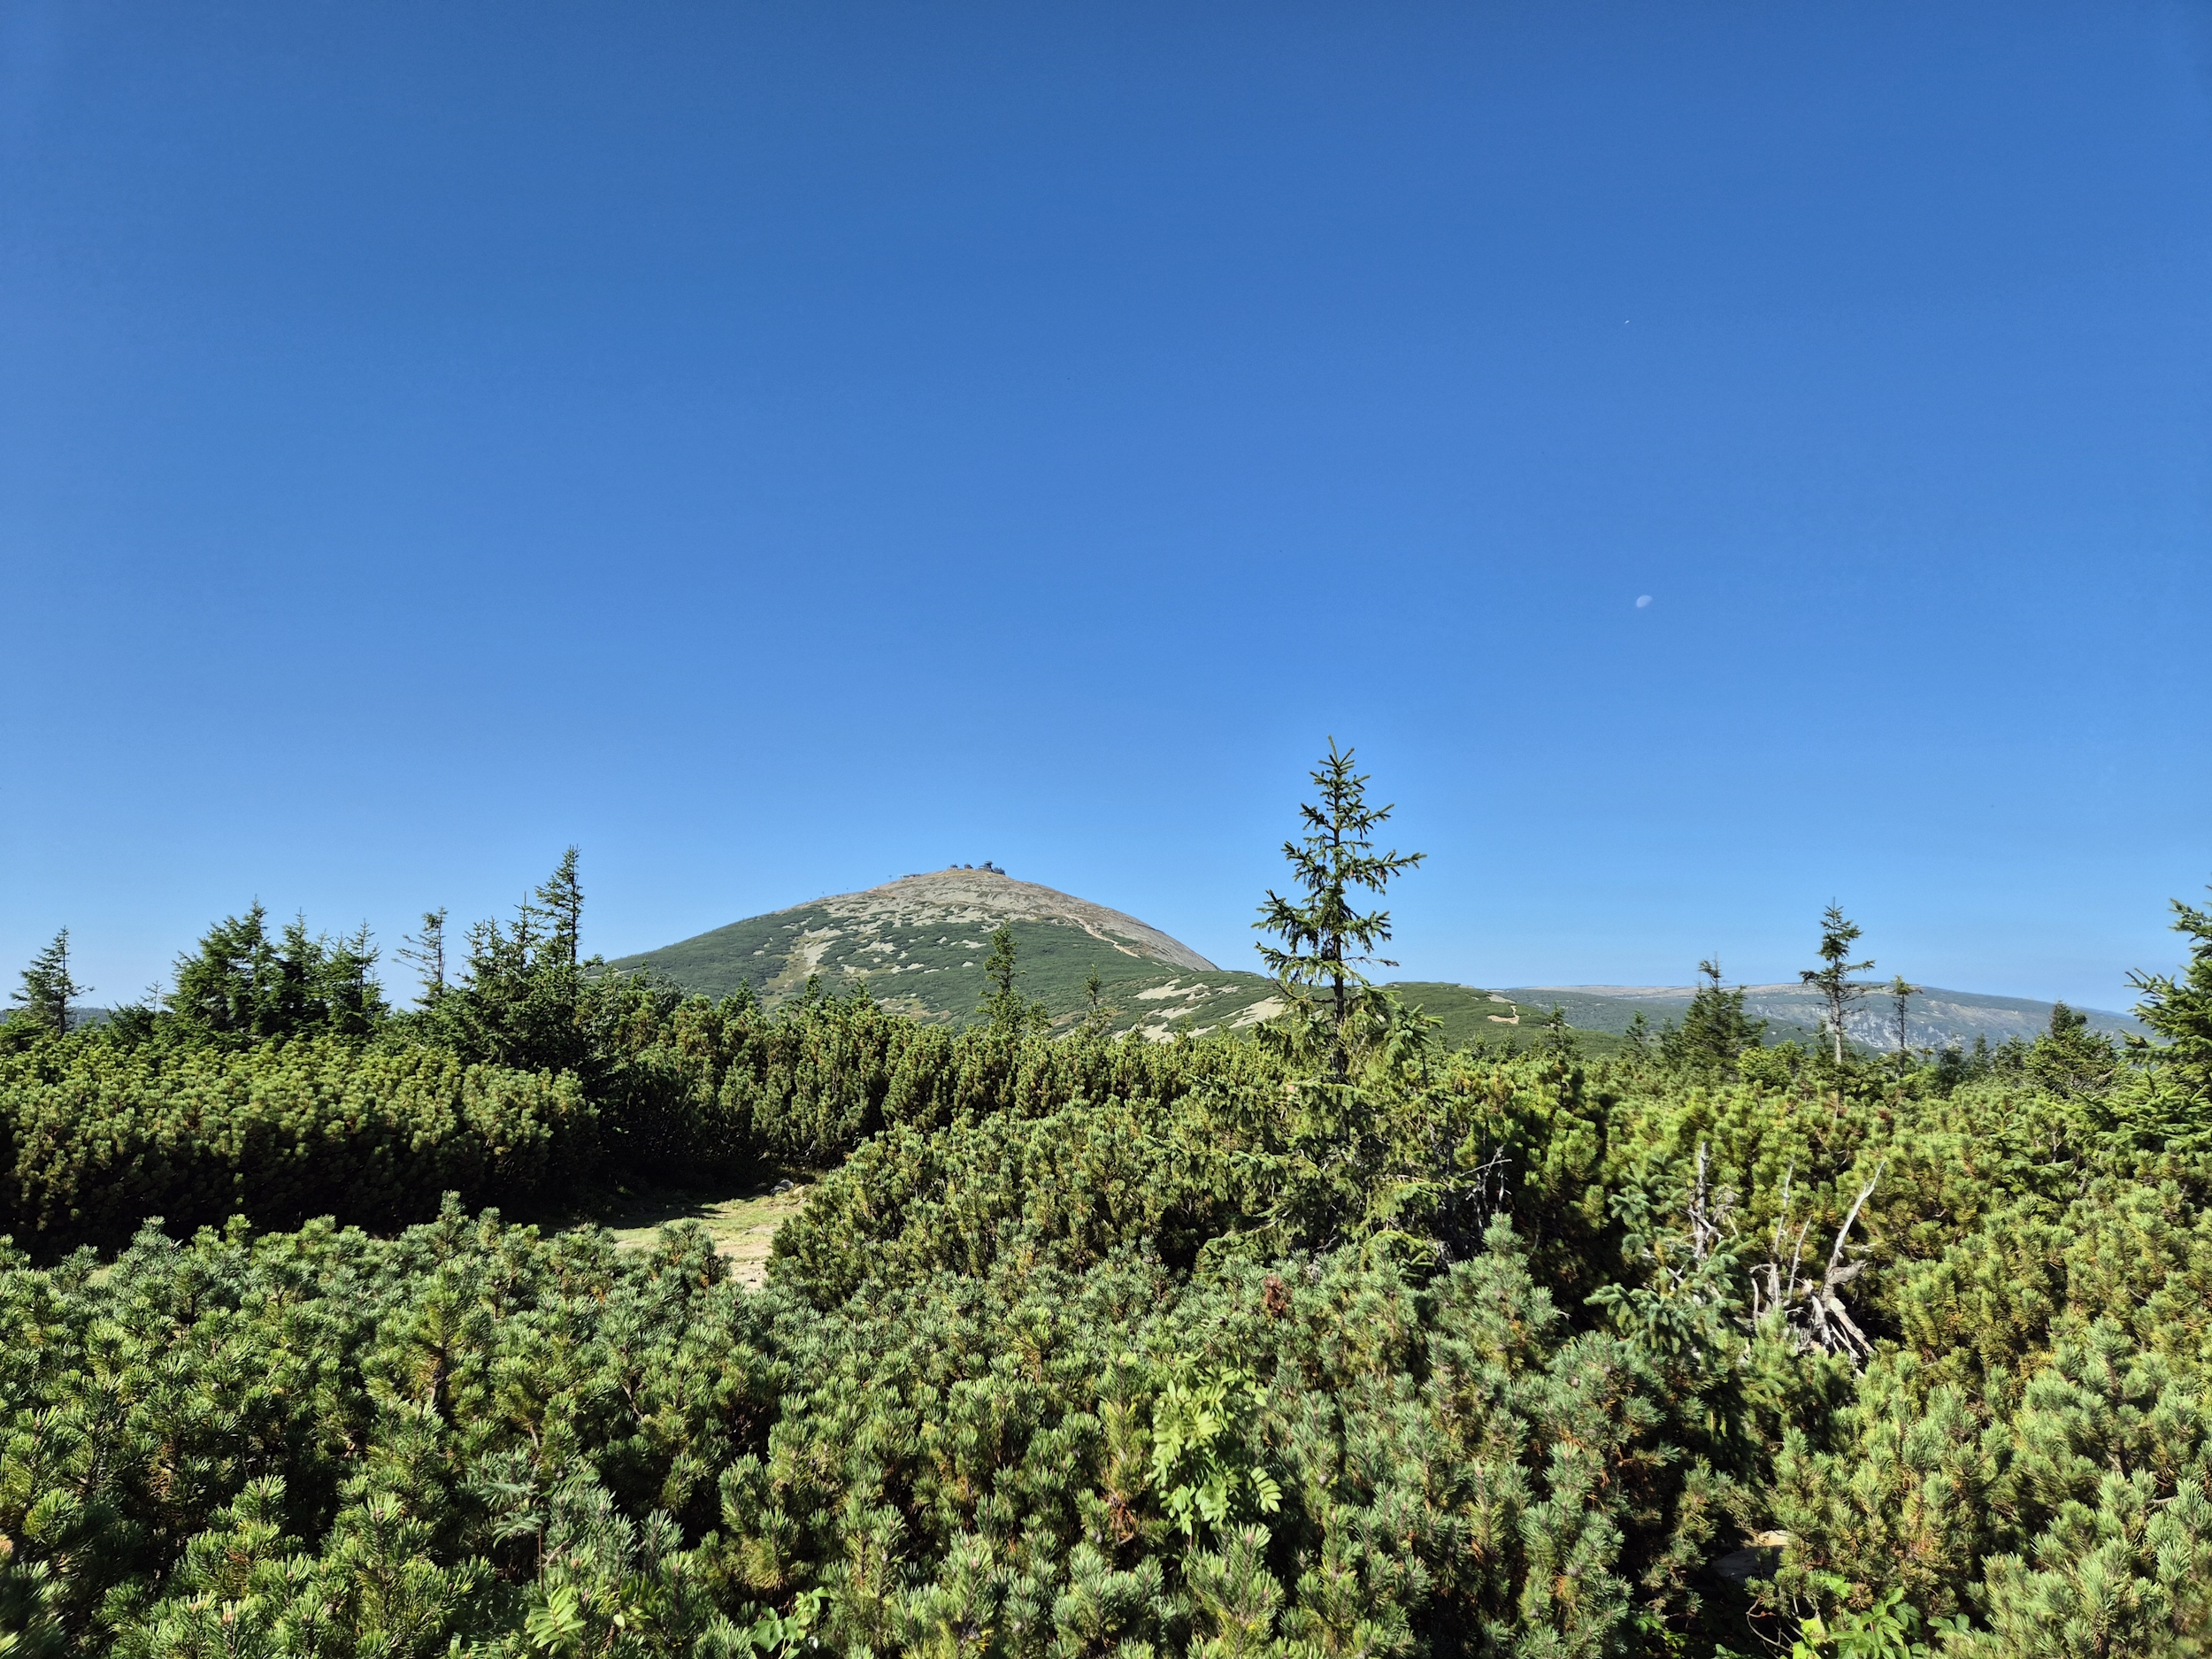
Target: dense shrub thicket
point(98, 1131)
point(276, 1083)
point(95, 1136)
point(1464, 1355)
point(1320, 1345)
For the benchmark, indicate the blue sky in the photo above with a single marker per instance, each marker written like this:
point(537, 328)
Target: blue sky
point(781, 448)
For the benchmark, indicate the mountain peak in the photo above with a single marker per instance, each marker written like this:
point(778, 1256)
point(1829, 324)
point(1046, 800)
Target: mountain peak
point(987, 896)
point(917, 945)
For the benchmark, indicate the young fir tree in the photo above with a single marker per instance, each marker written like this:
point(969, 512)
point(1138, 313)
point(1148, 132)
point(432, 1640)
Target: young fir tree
point(560, 900)
point(48, 988)
point(1833, 979)
point(1325, 937)
point(427, 951)
point(1098, 1013)
point(1714, 1029)
point(1003, 1006)
point(2179, 1009)
point(1900, 996)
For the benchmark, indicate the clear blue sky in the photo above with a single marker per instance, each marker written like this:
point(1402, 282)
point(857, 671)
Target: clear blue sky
point(778, 448)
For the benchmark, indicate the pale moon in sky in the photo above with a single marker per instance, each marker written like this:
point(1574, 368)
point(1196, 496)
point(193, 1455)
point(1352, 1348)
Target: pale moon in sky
point(1643, 600)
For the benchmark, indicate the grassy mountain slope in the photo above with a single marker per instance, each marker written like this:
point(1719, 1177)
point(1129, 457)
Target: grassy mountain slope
point(919, 945)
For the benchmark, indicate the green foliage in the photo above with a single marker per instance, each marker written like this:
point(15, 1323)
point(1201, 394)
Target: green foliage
point(2069, 1058)
point(1326, 938)
point(244, 986)
point(1003, 1008)
point(1092, 1343)
point(98, 1135)
point(1202, 1464)
point(1715, 1030)
point(2179, 1009)
point(1324, 1343)
point(1833, 979)
point(48, 990)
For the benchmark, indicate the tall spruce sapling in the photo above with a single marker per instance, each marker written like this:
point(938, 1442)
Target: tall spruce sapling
point(1900, 996)
point(48, 989)
point(2179, 1009)
point(1002, 1006)
point(1833, 979)
point(560, 900)
point(427, 951)
point(1324, 939)
point(1715, 1030)
point(1098, 1014)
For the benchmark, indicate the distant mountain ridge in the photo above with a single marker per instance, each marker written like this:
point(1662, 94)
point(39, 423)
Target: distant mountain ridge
point(917, 945)
point(1935, 1017)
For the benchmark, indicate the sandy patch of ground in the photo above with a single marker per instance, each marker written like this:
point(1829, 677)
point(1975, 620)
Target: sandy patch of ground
point(742, 1224)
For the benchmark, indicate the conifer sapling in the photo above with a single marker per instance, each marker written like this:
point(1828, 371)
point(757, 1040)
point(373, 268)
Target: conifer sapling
point(1325, 939)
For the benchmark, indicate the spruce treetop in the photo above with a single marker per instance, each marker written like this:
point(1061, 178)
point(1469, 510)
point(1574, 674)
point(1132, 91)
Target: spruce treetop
point(2179, 1007)
point(1833, 979)
point(48, 989)
point(1326, 940)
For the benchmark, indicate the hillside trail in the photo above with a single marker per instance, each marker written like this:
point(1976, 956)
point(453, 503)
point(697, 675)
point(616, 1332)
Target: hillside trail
point(742, 1222)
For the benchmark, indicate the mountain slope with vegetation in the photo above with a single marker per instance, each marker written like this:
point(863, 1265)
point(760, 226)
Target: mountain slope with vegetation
point(918, 946)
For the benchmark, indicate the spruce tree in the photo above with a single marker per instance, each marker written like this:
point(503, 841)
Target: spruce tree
point(1900, 996)
point(1833, 979)
point(523, 997)
point(561, 901)
point(48, 989)
point(229, 991)
point(245, 987)
point(1003, 1006)
point(2179, 1009)
point(1715, 1030)
point(341, 982)
point(2069, 1058)
point(1325, 938)
point(427, 951)
point(1098, 1013)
